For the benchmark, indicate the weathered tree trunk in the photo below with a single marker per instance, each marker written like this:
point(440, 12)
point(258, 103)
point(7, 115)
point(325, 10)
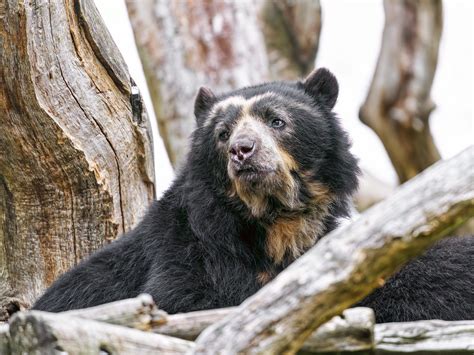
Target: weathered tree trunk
point(398, 104)
point(291, 32)
point(348, 263)
point(76, 163)
point(187, 44)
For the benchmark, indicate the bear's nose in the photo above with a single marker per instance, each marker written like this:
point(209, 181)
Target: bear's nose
point(241, 150)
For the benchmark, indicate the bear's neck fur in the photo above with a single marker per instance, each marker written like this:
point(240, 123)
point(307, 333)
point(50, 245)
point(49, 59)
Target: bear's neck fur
point(279, 235)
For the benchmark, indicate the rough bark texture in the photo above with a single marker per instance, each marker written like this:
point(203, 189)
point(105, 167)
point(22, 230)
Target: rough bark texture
point(186, 44)
point(398, 104)
point(416, 337)
point(349, 263)
point(76, 164)
point(37, 332)
point(351, 332)
point(291, 32)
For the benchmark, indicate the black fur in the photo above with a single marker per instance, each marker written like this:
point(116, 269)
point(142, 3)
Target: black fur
point(201, 247)
point(437, 285)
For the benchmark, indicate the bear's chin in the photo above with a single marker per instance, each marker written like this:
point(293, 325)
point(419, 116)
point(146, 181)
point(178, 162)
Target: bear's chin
point(251, 176)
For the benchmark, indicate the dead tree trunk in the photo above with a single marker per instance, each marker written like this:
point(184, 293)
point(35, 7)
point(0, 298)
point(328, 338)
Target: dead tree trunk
point(398, 104)
point(348, 263)
point(76, 163)
point(291, 31)
point(186, 44)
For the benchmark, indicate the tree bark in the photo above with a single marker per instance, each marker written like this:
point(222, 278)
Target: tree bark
point(186, 44)
point(291, 32)
point(398, 104)
point(76, 164)
point(348, 263)
point(423, 336)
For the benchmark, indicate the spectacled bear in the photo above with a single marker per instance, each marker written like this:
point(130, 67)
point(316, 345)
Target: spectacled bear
point(269, 172)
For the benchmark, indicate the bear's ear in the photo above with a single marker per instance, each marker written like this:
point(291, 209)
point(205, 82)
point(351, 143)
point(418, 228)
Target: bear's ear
point(204, 100)
point(322, 85)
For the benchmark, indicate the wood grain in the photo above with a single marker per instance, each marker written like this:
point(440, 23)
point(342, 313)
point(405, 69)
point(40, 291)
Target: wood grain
point(76, 169)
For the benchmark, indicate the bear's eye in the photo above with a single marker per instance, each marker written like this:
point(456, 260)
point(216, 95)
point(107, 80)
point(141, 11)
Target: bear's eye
point(224, 136)
point(277, 123)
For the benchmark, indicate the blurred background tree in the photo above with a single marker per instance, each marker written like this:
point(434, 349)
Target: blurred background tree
point(399, 103)
point(187, 44)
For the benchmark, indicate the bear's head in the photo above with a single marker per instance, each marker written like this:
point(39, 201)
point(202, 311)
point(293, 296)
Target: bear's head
point(277, 154)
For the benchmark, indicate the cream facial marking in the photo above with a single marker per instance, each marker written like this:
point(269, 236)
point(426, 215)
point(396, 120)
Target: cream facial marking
point(239, 101)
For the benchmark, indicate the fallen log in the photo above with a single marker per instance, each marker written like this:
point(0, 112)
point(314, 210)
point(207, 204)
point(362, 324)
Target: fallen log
point(348, 264)
point(352, 331)
point(139, 313)
point(47, 333)
point(433, 335)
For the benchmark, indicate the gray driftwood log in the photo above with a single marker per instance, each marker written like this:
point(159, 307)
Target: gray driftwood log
point(291, 32)
point(353, 331)
point(398, 104)
point(348, 263)
point(38, 332)
point(139, 313)
point(76, 164)
point(423, 336)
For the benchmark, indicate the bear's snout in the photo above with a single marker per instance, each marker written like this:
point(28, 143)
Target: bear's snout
point(242, 149)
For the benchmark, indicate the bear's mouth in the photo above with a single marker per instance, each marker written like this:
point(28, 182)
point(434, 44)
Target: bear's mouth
point(248, 173)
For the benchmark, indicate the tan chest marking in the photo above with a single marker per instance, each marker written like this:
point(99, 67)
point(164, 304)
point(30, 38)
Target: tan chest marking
point(293, 236)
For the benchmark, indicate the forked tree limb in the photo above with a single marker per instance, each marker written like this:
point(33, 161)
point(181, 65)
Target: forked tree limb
point(348, 263)
point(398, 104)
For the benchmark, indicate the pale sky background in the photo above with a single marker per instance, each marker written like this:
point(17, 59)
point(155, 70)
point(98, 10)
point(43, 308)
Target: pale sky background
point(350, 43)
